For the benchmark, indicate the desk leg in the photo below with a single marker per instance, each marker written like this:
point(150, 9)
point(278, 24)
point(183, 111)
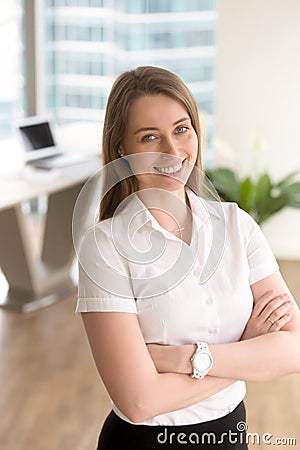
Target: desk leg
point(36, 282)
point(57, 250)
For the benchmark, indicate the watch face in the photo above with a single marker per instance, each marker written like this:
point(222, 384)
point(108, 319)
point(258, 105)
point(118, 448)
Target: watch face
point(202, 361)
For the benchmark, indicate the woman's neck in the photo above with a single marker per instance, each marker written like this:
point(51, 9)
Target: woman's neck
point(170, 209)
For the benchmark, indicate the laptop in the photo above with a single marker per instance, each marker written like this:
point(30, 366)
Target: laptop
point(40, 147)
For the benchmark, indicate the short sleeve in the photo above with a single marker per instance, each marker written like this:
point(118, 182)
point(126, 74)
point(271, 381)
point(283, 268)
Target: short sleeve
point(261, 259)
point(103, 281)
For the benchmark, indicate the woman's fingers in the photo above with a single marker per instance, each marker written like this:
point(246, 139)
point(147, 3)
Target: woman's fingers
point(275, 309)
point(262, 302)
point(269, 301)
point(269, 314)
point(272, 314)
point(280, 323)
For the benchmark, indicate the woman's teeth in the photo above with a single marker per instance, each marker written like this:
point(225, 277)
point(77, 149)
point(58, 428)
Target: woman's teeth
point(171, 169)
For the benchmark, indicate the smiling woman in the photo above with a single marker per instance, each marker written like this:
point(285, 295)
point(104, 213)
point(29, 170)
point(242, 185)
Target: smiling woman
point(130, 97)
point(181, 297)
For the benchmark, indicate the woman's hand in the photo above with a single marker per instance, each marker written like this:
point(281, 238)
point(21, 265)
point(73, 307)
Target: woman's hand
point(269, 314)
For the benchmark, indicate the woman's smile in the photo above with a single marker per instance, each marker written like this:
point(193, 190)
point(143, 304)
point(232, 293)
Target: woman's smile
point(171, 170)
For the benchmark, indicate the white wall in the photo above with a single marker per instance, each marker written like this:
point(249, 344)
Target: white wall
point(258, 87)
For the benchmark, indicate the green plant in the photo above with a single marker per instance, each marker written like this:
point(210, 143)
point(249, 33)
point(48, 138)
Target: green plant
point(261, 198)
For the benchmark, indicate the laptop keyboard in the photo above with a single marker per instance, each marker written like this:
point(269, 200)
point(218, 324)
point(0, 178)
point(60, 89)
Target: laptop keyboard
point(45, 158)
point(61, 160)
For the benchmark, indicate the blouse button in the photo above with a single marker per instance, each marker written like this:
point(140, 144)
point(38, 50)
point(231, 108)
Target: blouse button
point(209, 301)
point(212, 330)
point(197, 272)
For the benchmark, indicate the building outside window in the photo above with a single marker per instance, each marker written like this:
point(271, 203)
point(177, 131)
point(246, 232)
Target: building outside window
point(11, 66)
point(89, 42)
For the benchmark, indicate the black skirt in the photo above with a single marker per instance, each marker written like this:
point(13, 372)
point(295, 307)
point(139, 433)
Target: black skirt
point(225, 433)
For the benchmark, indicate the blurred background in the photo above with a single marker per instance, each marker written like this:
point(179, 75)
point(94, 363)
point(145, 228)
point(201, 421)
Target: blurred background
point(59, 58)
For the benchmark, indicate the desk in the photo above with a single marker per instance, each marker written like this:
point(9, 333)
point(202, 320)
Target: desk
point(36, 282)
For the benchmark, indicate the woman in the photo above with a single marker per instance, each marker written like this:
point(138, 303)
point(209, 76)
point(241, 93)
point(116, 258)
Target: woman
point(142, 267)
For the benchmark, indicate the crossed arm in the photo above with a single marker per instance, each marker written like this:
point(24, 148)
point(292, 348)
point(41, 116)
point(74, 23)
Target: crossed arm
point(132, 373)
point(264, 351)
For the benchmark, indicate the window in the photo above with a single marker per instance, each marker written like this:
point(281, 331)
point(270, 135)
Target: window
point(87, 43)
point(90, 42)
point(11, 66)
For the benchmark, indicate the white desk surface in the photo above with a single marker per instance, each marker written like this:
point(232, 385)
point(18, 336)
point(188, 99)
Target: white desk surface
point(19, 182)
point(30, 183)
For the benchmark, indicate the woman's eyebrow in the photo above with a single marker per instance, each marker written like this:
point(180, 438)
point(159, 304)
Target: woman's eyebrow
point(181, 120)
point(145, 129)
point(155, 128)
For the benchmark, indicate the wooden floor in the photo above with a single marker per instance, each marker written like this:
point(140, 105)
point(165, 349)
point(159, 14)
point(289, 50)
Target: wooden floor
point(52, 398)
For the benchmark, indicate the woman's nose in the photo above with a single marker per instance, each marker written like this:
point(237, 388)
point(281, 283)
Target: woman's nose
point(170, 146)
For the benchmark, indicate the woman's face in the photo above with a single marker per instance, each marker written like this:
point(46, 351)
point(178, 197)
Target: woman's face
point(162, 142)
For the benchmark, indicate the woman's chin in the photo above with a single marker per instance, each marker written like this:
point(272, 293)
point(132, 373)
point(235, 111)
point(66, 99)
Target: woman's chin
point(161, 181)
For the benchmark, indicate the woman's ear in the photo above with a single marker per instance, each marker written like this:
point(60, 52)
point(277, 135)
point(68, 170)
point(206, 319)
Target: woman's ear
point(120, 152)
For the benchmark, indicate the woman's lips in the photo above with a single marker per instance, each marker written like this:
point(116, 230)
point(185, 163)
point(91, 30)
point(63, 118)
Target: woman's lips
point(171, 170)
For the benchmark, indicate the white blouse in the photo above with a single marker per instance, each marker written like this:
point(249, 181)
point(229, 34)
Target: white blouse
point(181, 293)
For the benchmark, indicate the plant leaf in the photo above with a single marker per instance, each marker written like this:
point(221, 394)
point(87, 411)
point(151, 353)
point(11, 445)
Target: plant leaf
point(287, 179)
point(292, 193)
point(247, 194)
point(226, 183)
point(262, 199)
point(262, 194)
point(293, 203)
point(291, 189)
point(274, 206)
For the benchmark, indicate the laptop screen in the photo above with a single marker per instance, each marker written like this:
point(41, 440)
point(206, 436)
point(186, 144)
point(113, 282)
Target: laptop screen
point(37, 136)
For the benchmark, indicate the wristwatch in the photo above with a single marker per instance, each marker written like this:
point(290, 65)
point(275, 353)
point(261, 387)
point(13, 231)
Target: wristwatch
point(202, 360)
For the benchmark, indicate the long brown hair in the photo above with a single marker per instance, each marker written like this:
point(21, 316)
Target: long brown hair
point(128, 87)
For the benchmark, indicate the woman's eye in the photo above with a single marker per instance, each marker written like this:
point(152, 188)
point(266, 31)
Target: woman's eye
point(148, 137)
point(181, 129)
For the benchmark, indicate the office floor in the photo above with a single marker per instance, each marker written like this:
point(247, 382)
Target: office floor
point(52, 398)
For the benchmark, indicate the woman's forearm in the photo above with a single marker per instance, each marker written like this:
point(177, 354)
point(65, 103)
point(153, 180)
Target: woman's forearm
point(173, 391)
point(257, 359)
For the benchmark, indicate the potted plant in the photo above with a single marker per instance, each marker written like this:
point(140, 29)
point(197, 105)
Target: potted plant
point(261, 197)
